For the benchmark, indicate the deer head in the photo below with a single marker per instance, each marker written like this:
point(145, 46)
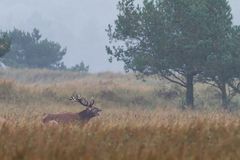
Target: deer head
point(90, 110)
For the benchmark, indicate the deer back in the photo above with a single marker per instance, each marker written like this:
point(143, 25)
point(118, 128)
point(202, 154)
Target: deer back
point(61, 118)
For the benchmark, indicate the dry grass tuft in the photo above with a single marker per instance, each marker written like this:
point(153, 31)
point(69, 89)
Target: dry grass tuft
point(137, 122)
point(126, 134)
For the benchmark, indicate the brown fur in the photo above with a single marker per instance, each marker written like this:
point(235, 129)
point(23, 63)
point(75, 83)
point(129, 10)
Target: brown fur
point(83, 116)
point(61, 118)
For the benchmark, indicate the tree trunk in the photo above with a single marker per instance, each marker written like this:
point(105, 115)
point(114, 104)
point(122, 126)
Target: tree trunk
point(224, 96)
point(189, 91)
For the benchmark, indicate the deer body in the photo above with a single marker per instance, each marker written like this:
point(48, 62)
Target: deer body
point(83, 116)
point(68, 117)
point(62, 118)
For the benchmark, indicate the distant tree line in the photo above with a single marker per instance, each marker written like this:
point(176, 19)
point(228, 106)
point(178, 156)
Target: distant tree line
point(29, 50)
point(4, 44)
point(183, 41)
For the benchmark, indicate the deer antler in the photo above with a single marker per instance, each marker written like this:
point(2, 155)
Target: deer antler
point(72, 98)
point(91, 102)
point(82, 101)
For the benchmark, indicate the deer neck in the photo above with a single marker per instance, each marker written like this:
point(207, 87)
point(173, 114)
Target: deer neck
point(84, 115)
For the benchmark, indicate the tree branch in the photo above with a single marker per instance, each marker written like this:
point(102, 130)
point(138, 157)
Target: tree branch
point(176, 77)
point(235, 90)
point(175, 81)
point(212, 84)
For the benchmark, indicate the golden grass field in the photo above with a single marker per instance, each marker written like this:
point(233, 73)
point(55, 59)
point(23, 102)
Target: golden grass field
point(139, 120)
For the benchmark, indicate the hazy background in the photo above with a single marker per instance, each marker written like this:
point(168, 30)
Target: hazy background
point(78, 25)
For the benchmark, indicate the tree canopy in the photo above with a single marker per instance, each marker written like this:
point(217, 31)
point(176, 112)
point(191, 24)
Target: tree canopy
point(222, 69)
point(80, 68)
point(5, 43)
point(170, 38)
point(29, 50)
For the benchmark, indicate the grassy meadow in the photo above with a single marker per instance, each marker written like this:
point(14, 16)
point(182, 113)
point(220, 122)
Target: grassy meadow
point(140, 120)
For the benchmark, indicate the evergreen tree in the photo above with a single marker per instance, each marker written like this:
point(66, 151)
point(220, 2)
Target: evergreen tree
point(169, 38)
point(29, 50)
point(80, 68)
point(5, 43)
point(223, 66)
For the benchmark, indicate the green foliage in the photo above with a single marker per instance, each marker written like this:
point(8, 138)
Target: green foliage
point(170, 38)
point(4, 44)
point(29, 50)
point(222, 68)
point(160, 37)
point(80, 68)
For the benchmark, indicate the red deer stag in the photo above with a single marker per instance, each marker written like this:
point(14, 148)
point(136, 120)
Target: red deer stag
point(83, 116)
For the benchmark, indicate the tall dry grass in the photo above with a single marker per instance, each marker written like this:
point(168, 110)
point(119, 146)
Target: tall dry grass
point(139, 120)
point(126, 135)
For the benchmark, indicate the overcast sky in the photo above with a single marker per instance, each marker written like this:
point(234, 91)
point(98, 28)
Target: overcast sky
point(78, 25)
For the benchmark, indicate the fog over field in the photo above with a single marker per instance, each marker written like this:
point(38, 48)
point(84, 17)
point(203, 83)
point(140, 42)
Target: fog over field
point(78, 25)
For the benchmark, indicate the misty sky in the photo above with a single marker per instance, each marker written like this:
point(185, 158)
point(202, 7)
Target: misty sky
point(78, 25)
